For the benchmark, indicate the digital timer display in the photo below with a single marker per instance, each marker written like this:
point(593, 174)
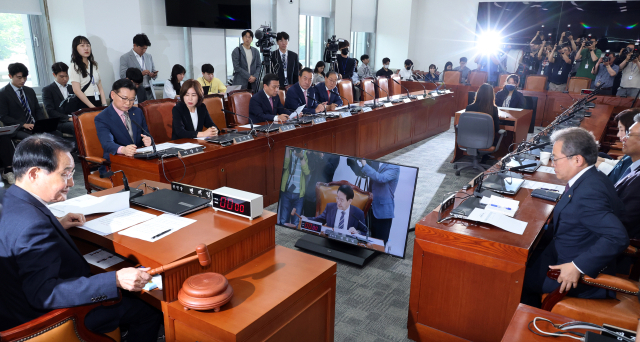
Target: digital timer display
point(231, 204)
point(311, 226)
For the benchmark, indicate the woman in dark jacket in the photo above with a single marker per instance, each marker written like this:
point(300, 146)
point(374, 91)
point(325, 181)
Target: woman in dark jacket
point(190, 115)
point(509, 96)
point(484, 103)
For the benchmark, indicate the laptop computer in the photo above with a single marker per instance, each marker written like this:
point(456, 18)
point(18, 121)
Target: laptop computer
point(172, 202)
point(45, 125)
point(224, 138)
point(502, 184)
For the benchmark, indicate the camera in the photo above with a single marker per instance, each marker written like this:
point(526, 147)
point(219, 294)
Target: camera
point(331, 51)
point(567, 33)
point(265, 39)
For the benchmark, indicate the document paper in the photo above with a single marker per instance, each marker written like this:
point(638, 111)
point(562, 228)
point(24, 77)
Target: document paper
point(159, 227)
point(502, 205)
point(501, 221)
point(547, 169)
point(117, 221)
point(102, 259)
point(87, 204)
point(529, 184)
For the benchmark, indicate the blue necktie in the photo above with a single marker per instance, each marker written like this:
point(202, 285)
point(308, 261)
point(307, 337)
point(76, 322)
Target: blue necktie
point(26, 110)
point(341, 224)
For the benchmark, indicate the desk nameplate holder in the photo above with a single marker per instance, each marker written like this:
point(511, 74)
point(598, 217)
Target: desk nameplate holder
point(320, 120)
point(364, 110)
point(348, 114)
point(244, 138)
point(191, 151)
point(388, 104)
point(191, 190)
point(406, 100)
point(286, 128)
point(420, 97)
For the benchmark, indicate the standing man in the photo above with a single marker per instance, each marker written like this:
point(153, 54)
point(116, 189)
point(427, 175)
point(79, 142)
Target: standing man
point(559, 68)
point(364, 70)
point(18, 103)
point(464, 70)
point(347, 66)
point(299, 94)
point(265, 105)
point(284, 63)
point(246, 63)
point(292, 188)
point(628, 187)
point(489, 63)
point(385, 71)
point(327, 92)
point(139, 58)
point(588, 56)
point(384, 181)
point(209, 83)
point(605, 72)
point(630, 82)
point(55, 98)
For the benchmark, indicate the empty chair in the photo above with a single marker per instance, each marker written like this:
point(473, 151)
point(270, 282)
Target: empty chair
point(535, 83)
point(345, 89)
point(477, 78)
point(369, 89)
point(215, 104)
point(89, 149)
point(451, 77)
point(239, 103)
point(576, 84)
point(395, 88)
point(159, 116)
point(475, 136)
point(383, 83)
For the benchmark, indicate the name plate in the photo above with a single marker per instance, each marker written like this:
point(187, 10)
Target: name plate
point(191, 190)
point(320, 120)
point(286, 128)
point(406, 100)
point(364, 110)
point(420, 97)
point(191, 151)
point(242, 139)
point(388, 104)
point(347, 114)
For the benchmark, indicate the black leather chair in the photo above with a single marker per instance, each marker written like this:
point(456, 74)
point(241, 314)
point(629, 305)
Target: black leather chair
point(475, 136)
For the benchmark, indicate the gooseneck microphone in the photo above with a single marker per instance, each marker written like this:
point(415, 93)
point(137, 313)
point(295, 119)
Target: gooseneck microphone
point(151, 155)
point(133, 193)
point(375, 104)
point(252, 131)
point(405, 88)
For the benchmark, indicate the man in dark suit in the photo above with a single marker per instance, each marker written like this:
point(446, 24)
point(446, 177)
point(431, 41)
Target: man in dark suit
point(265, 105)
point(298, 94)
point(55, 95)
point(41, 267)
point(327, 92)
point(628, 187)
point(384, 181)
point(285, 63)
point(18, 103)
point(117, 132)
point(587, 233)
point(342, 214)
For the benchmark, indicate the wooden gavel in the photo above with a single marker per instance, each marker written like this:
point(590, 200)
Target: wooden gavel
point(202, 254)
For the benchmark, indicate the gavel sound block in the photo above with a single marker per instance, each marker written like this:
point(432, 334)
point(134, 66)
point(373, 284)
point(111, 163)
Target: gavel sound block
point(204, 291)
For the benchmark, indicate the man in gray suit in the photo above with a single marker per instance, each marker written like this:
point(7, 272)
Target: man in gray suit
point(246, 63)
point(140, 59)
point(384, 181)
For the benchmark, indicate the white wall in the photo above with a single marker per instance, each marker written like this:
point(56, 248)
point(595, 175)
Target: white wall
point(343, 19)
point(65, 27)
point(393, 27)
point(208, 46)
point(289, 21)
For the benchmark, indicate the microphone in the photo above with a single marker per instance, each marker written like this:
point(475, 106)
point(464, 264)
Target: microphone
point(374, 105)
point(368, 229)
point(133, 193)
point(153, 154)
point(335, 92)
point(521, 167)
point(252, 131)
point(533, 147)
point(376, 84)
point(405, 88)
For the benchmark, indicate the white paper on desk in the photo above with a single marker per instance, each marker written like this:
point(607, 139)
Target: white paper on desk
point(345, 106)
point(513, 109)
point(501, 221)
point(159, 147)
point(87, 204)
point(147, 230)
point(246, 126)
point(201, 138)
point(529, 184)
point(102, 259)
point(156, 282)
point(187, 146)
point(547, 169)
point(117, 221)
point(502, 205)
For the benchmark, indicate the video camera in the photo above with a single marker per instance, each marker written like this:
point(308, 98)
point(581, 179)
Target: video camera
point(331, 50)
point(265, 39)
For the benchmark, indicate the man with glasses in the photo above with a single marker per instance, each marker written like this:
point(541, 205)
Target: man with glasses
point(265, 105)
point(327, 92)
point(116, 131)
point(628, 187)
point(300, 92)
point(586, 235)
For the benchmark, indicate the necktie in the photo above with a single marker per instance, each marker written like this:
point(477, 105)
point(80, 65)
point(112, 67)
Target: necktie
point(284, 65)
point(127, 123)
point(328, 96)
point(273, 106)
point(306, 99)
point(26, 110)
point(341, 224)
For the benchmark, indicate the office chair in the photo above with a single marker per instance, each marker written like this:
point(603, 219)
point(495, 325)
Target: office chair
point(159, 116)
point(215, 105)
point(475, 136)
point(90, 150)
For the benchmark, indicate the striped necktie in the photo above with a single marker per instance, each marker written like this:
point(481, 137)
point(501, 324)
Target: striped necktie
point(128, 125)
point(284, 65)
point(341, 224)
point(26, 110)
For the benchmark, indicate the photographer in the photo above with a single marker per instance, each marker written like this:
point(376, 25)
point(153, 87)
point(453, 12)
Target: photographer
point(559, 68)
point(588, 56)
point(630, 82)
point(605, 72)
point(543, 57)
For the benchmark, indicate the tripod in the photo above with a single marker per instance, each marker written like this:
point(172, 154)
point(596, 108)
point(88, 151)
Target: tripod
point(265, 68)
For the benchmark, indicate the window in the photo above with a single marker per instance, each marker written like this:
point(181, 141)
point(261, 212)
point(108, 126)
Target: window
point(312, 38)
point(16, 46)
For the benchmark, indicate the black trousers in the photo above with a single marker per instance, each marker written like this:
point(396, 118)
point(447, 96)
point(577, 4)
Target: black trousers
point(142, 319)
point(66, 127)
point(6, 150)
point(380, 228)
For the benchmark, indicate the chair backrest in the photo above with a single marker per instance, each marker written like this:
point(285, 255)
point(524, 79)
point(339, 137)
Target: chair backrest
point(451, 77)
point(326, 193)
point(383, 83)
point(576, 84)
point(475, 130)
point(239, 102)
point(159, 116)
point(345, 89)
point(215, 104)
point(281, 95)
point(369, 88)
point(86, 135)
point(395, 88)
point(535, 83)
point(503, 79)
point(477, 78)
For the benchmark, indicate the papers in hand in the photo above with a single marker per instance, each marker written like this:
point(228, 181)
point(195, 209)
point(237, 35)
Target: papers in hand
point(529, 184)
point(157, 228)
point(102, 259)
point(87, 204)
point(117, 221)
point(501, 221)
point(296, 114)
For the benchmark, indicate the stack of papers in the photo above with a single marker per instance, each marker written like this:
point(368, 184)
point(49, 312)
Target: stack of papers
point(166, 146)
point(87, 204)
point(102, 259)
point(117, 221)
point(547, 169)
point(157, 228)
point(529, 184)
point(501, 221)
point(502, 205)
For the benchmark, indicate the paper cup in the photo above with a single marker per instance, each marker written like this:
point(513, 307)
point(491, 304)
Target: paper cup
point(544, 157)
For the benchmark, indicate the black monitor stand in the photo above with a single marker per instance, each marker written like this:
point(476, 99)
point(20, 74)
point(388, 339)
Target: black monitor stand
point(337, 250)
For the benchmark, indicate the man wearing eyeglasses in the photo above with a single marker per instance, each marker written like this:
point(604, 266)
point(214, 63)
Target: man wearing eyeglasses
point(586, 230)
point(628, 187)
point(117, 132)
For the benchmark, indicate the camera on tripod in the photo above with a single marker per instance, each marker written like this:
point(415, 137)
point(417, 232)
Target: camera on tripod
point(265, 39)
point(331, 50)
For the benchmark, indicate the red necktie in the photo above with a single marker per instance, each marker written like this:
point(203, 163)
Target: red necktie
point(273, 105)
point(328, 96)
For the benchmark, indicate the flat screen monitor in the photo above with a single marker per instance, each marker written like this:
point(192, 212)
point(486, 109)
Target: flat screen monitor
point(224, 14)
point(356, 201)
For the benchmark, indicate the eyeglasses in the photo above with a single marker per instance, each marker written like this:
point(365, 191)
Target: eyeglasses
point(630, 135)
point(126, 99)
point(68, 175)
point(554, 160)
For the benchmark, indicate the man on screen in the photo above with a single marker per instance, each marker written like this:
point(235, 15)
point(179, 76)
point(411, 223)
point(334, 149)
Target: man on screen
point(384, 181)
point(342, 214)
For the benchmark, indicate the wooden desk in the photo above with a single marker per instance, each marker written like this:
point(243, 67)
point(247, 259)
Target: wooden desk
point(256, 166)
point(518, 331)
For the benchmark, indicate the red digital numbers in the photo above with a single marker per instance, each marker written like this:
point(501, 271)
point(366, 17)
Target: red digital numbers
point(227, 203)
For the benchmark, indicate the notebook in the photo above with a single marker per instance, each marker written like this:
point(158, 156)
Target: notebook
point(172, 202)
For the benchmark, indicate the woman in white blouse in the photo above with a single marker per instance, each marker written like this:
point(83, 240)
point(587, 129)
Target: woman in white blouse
point(172, 86)
point(84, 75)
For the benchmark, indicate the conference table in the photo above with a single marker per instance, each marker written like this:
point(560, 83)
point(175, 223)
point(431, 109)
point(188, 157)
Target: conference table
point(518, 329)
point(466, 277)
point(256, 165)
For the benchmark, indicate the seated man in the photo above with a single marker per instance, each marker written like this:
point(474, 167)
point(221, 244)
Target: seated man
point(628, 187)
point(41, 267)
point(327, 92)
point(299, 93)
point(18, 103)
point(587, 233)
point(265, 105)
point(209, 83)
point(54, 98)
point(615, 168)
point(342, 214)
point(135, 75)
point(117, 132)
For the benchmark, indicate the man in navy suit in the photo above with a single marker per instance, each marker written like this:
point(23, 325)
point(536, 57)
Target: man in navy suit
point(298, 94)
point(41, 267)
point(116, 131)
point(628, 187)
point(342, 214)
point(265, 105)
point(587, 233)
point(328, 92)
point(384, 181)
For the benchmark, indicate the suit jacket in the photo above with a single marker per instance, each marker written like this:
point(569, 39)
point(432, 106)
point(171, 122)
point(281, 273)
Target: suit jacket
point(348, 69)
point(112, 133)
point(41, 267)
point(619, 169)
point(628, 189)
point(517, 99)
point(587, 227)
point(260, 109)
point(240, 72)
point(383, 186)
point(295, 98)
point(183, 125)
point(320, 94)
point(128, 60)
point(52, 98)
point(11, 112)
point(293, 66)
point(328, 218)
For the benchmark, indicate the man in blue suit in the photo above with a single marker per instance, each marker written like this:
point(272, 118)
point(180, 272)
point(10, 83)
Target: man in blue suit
point(384, 181)
point(342, 214)
point(327, 92)
point(265, 105)
point(117, 132)
point(298, 94)
point(41, 267)
point(587, 233)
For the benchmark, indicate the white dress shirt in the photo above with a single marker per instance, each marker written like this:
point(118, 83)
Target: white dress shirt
point(63, 90)
point(194, 119)
point(249, 55)
point(571, 182)
point(145, 81)
point(336, 224)
point(405, 74)
point(168, 92)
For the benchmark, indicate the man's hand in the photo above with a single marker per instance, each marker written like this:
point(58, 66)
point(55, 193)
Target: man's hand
point(27, 126)
point(252, 79)
point(72, 220)
point(569, 276)
point(282, 117)
point(153, 74)
point(321, 107)
point(129, 150)
point(146, 140)
point(353, 230)
point(145, 72)
point(600, 60)
point(363, 162)
point(132, 279)
point(332, 106)
point(70, 119)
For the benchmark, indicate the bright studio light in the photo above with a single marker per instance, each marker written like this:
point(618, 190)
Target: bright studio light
point(489, 42)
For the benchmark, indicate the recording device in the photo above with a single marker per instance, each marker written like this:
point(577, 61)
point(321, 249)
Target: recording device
point(133, 193)
point(331, 52)
point(265, 40)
